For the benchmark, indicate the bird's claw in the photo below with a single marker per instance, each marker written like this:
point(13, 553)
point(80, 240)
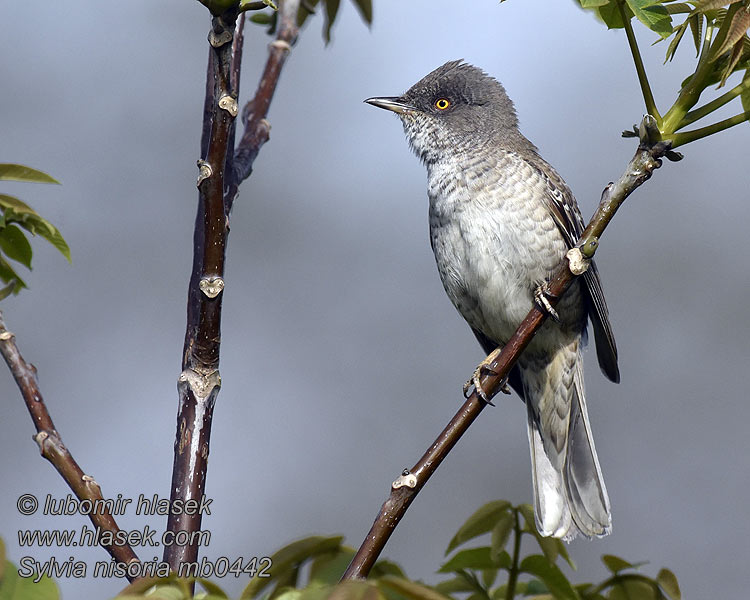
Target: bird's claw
point(484, 369)
point(540, 297)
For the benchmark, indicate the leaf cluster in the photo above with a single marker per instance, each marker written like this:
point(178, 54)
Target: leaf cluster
point(719, 32)
point(476, 570)
point(308, 8)
point(310, 569)
point(16, 221)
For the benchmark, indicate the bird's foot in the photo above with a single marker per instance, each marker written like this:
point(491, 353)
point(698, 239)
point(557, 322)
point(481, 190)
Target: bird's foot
point(540, 297)
point(482, 369)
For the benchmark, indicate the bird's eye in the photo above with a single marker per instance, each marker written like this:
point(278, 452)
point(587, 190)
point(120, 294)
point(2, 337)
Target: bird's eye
point(442, 103)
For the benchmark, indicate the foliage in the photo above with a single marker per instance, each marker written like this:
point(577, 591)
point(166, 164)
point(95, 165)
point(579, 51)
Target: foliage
point(719, 33)
point(310, 569)
point(15, 587)
point(17, 215)
point(308, 7)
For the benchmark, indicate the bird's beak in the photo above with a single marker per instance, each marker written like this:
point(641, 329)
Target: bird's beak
point(397, 105)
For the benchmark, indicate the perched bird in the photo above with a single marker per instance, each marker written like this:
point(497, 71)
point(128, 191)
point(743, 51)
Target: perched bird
point(501, 220)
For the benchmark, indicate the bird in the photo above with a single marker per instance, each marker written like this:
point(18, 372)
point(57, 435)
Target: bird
point(501, 219)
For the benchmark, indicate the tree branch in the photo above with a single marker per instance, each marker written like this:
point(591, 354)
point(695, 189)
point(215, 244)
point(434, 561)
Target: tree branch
point(715, 104)
point(52, 448)
point(199, 382)
point(685, 137)
point(254, 113)
point(221, 172)
point(406, 487)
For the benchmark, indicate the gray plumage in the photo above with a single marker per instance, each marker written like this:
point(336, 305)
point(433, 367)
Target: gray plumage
point(501, 219)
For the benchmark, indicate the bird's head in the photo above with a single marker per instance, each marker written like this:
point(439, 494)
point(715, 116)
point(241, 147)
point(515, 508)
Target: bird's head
point(457, 108)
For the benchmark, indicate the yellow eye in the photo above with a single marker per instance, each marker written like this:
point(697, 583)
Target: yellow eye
point(442, 103)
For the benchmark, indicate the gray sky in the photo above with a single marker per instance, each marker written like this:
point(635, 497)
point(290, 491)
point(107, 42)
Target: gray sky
point(329, 267)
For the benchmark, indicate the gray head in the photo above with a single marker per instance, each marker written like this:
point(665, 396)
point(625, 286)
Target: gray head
point(457, 108)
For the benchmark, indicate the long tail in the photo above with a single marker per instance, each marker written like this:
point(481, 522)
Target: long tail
point(569, 492)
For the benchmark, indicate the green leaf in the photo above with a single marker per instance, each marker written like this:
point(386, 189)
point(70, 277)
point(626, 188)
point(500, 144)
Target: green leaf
point(587, 4)
point(4, 293)
point(11, 172)
point(474, 558)
point(528, 515)
point(15, 245)
point(482, 521)
point(261, 18)
point(745, 96)
point(141, 586)
point(679, 8)
point(327, 569)
point(501, 533)
point(8, 274)
point(332, 9)
point(653, 16)
point(551, 575)
point(15, 587)
point(610, 14)
point(218, 7)
point(36, 225)
point(668, 582)
point(489, 576)
point(535, 587)
point(737, 30)
point(548, 545)
point(17, 211)
point(631, 587)
point(305, 10)
point(386, 567)
point(365, 9)
point(410, 589)
point(213, 589)
point(615, 563)
point(455, 585)
point(18, 206)
point(676, 41)
point(696, 28)
point(562, 550)
point(348, 590)
point(288, 559)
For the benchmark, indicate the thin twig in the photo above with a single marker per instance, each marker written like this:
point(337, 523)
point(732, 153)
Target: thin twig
point(648, 96)
point(406, 487)
point(255, 111)
point(715, 104)
point(52, 448)
point(235, 69)
point(685, 137)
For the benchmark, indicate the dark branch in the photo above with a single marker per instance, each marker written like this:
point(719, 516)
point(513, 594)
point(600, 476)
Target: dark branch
point(208, 104)
point(199, 382)
point(218, 183)
point(405, 489)
point(51, 445)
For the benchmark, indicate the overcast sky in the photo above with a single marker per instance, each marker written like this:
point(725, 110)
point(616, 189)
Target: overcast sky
point(342, 358)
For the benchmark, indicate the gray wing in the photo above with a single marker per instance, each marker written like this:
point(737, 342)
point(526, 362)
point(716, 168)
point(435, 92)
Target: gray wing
point(564, 209)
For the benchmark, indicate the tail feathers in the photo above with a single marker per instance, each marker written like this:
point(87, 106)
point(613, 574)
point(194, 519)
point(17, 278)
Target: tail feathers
point(569, 492)
point(550, 508)
point(583, 476)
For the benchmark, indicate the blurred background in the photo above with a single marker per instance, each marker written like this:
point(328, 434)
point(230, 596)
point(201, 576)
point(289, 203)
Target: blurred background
point(342, 358)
